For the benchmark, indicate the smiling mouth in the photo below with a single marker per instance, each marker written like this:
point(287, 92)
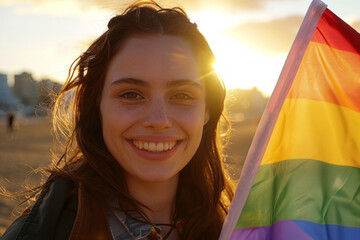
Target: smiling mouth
point(154, 147)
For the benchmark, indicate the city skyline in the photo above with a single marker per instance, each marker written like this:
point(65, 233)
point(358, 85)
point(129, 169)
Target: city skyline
point(27, 94)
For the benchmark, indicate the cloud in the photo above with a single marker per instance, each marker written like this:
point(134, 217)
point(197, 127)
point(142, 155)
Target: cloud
point(194, 5)
point(225, 4)
point(191, 4)
point(354, 22)
point(356, 25)
point(271, 37)
point(188, 4)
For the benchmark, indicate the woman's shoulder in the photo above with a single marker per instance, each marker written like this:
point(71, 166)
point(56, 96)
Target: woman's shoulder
point(53, 214)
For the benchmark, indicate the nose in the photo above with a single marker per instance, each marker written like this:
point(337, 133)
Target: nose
point(156, 115)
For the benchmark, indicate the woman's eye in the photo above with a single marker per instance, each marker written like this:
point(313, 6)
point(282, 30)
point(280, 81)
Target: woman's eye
point(182, 96)
point(131, 95)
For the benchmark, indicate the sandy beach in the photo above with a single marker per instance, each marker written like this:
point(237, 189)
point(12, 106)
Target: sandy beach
point(22, 151)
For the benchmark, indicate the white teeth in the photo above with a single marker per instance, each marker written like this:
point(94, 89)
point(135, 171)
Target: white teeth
point(154, 147)
point(160, 147)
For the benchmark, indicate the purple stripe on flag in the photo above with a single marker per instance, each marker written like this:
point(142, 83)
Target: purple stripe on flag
point(282, 230)
point(297, 230)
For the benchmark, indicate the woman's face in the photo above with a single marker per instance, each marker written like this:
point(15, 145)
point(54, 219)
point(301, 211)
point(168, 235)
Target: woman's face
point(153, 107)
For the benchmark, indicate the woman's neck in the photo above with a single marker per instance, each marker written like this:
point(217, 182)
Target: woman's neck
point(159, 197)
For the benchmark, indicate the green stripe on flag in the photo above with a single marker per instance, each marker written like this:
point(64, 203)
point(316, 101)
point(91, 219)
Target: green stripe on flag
point(303, 189)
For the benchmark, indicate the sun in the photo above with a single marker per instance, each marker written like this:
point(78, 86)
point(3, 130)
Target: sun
point(237, 64)
point(232, 63)
point(242, 67)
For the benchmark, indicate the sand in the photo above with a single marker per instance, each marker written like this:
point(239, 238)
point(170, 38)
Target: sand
point(22, 151)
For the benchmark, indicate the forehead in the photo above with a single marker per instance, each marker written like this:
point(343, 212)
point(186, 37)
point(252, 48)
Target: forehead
point(154, 58)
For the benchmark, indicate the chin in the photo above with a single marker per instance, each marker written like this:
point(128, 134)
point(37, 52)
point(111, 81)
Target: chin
point(156, 177)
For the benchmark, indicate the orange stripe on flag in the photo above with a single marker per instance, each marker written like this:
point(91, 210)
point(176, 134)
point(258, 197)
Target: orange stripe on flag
point(329, 75)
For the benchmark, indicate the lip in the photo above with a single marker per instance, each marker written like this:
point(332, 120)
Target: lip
point(155, 156)
point(156, 139)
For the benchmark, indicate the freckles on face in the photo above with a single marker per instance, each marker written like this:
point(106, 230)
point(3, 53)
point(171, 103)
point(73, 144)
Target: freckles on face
point(153, 107)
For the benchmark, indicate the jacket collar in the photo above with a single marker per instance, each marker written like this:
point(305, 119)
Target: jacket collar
point(123, 226)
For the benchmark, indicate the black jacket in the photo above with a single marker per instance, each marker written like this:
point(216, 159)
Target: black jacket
point(52, 216)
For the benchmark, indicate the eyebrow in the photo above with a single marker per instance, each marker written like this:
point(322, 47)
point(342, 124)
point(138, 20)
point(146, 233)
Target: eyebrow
point(130, 81)
point(184, 82)
point(173, 83)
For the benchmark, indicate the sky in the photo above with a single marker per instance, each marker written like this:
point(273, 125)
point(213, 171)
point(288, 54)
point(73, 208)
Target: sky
point(250, 38)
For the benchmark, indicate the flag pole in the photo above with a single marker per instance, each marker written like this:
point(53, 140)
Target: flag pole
point(267, 122)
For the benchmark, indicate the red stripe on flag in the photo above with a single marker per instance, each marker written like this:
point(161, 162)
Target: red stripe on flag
point(336, 33)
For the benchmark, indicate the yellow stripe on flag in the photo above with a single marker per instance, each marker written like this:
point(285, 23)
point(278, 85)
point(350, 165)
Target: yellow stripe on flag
point(297, 135)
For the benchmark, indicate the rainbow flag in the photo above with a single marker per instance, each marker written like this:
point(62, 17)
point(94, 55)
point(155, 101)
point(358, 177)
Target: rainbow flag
point(301, 178)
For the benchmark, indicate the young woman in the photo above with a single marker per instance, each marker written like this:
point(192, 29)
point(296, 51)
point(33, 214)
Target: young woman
point(142, 160)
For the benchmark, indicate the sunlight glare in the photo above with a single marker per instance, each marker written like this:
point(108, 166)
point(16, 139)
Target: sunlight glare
point(241, 67)
point(238, 65)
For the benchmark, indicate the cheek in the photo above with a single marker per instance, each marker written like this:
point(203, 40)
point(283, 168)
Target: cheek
point(116, 120)
point(192, 124)
point(115, 115)
point(195, 117)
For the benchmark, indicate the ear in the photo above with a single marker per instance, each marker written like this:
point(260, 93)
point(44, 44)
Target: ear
point(207, 116)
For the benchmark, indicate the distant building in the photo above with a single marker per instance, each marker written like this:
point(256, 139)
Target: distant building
point(27, 89)
point(48, 90)
point(245, 104)
point(50, 86)
point(7, 98)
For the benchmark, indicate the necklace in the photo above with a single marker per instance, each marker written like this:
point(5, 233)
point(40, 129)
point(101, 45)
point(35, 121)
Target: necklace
point(154, 235)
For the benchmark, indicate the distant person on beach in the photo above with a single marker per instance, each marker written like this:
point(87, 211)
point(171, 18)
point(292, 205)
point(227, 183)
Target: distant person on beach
point(10, 117)
point(142, 158)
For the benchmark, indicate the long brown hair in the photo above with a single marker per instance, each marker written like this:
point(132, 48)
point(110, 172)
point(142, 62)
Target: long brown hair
point(203, 192)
